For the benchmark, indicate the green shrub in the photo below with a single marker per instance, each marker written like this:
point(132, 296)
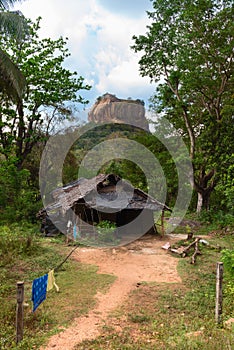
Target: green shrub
point(227, 257)
point(219, 218)
point(107, 232)
point(14, 242)
point(18, 198)
point(228, 261)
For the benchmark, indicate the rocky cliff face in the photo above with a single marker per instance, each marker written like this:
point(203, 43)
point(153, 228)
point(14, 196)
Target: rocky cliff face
point(109, 108)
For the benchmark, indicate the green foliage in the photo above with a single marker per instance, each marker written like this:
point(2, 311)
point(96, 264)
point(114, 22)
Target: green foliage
point(225, 187)
point(18, 199)
point(13, 24)
point(126, 168)
point(122, 167)
point(25, 124)
point(220, 218)
point(161, 153)
point(70, 167)
point(15, 242)
point(191, 44)
point(13, 84)
point(106, 232)
point(50, 88)
point(106, 224)
point(227, 257)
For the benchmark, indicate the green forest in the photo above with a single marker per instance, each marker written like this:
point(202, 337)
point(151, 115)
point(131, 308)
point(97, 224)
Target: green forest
point(196, 97)
point(187, 52)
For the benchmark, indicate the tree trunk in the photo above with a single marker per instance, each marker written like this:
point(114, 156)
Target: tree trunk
point(204, 186)
point(199, 202)
point(20, 136)
point(203, 199)
point(206, 198)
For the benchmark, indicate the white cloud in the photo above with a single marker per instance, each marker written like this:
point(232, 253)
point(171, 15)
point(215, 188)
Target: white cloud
point(124, 79)
point(99, 41)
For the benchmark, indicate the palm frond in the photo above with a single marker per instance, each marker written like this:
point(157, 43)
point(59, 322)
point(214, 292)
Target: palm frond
point(6, 4)
point(13, 24)
point(12, 81)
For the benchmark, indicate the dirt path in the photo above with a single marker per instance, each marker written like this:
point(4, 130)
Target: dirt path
point(143, 260)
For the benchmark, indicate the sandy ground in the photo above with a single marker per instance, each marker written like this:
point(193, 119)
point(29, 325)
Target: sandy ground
point(141, 261)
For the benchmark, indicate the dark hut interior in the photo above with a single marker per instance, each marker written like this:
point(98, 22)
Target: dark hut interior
point(87, 202)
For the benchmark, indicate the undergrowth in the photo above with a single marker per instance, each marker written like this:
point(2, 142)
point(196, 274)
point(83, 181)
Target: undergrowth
point(25, 256)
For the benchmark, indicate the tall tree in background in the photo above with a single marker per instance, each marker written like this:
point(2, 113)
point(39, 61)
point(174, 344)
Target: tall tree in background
point(189, 46)
point(50, 88)
point(12, 81)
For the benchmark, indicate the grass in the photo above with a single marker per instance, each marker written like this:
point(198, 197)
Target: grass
point(173, 316)
point(202, 224)
point(26, 256)
point(156, 316)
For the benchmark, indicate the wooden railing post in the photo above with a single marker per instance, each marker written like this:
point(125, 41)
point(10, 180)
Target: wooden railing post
point(20, 312)
point(219, 292)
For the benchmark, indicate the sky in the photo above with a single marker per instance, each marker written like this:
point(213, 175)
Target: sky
point(99, 38)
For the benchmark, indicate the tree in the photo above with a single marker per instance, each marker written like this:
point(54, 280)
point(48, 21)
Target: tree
point(190, 46)
point(50, 89)
point(12, 81)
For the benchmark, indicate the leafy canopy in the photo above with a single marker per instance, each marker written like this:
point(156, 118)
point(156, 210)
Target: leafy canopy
point(52, 90)
point(188, 50)
point(13, 24)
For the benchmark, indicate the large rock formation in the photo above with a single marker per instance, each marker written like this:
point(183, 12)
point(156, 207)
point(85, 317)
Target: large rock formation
point(109, 108)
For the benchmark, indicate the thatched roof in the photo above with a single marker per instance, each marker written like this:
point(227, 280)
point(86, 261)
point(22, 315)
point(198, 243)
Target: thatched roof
point(102, 192)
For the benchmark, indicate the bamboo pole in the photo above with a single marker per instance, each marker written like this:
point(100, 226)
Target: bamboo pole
point(219, 292)
point(20, 312)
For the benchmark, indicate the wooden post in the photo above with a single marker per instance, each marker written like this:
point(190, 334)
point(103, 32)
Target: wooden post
point(219, 292)
point(162, 222)
point(20, 312)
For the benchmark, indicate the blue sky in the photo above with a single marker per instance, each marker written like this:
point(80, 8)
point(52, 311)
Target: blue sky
point(100, 35)
point(130, 8)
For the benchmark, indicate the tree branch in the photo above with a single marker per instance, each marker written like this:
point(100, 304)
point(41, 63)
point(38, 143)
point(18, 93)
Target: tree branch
point(185, 113)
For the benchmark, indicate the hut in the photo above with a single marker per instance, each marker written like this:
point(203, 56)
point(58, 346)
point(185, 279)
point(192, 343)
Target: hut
point(87, 202)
